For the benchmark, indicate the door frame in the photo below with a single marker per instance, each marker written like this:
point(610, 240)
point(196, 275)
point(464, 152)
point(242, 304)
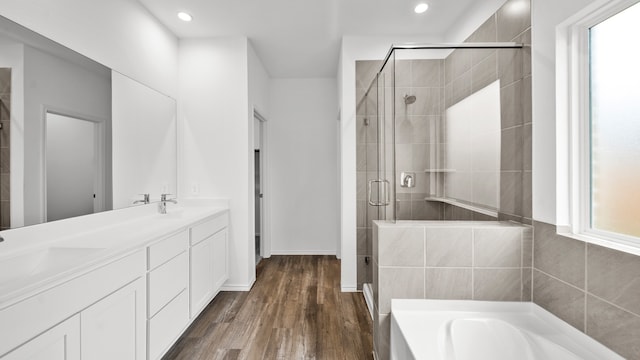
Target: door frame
point(99, 186)
point(265, 204)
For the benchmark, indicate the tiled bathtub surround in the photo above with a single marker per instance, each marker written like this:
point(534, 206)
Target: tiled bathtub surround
point(478, 260)
point(595, 289)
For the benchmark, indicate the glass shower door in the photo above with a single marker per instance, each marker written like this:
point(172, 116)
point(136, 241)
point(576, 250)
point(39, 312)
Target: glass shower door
point(386, 142)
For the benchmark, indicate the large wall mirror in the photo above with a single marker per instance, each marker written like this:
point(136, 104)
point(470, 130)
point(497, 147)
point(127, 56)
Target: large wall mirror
point(76, 137)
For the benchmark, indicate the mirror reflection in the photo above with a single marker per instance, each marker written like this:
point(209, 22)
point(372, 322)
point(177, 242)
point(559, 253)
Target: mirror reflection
point(76, 137)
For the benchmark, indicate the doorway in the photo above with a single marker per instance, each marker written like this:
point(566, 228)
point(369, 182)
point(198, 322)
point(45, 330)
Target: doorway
point(258, 200)
point(260, 188)
point(73, 167)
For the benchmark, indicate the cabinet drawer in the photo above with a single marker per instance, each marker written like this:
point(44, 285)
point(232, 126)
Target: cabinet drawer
point(166, 282)
point(167, 325)
point(164, 250)
point(208, 228)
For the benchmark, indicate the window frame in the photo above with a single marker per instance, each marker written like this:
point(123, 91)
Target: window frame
point(573, 137)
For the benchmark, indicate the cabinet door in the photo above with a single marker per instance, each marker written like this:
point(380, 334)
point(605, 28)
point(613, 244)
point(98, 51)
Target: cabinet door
point(220, 262)
point(62, 342)
point(115, 327)
point(201, 281)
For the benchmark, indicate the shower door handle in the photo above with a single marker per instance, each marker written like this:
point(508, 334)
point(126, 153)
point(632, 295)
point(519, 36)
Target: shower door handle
point(385, 190)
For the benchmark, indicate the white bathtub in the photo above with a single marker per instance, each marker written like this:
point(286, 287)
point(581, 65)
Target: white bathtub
point(485, 330)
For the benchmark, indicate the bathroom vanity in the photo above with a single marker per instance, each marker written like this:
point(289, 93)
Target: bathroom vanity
point(117, 285)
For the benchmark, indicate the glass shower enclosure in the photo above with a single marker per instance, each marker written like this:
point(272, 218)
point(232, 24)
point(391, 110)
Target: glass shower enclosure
point(437, 129)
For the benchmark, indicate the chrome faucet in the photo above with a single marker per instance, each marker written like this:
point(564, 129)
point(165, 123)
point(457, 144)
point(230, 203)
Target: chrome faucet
point(145, 199)
point(162, 205)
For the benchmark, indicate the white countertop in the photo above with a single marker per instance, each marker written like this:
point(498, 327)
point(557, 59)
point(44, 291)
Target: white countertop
point(39, 257)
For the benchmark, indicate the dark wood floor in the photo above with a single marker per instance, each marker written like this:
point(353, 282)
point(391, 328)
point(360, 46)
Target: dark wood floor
point(295, 310)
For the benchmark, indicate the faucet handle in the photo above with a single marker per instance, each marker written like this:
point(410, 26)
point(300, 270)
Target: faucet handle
point(163, 197)
point(145, 199)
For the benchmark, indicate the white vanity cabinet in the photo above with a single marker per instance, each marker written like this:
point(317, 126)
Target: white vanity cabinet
point(97, 315)
point(114, 327)
point(131, 304)
point(62, 342)
point(208, 255)
point(167, 281)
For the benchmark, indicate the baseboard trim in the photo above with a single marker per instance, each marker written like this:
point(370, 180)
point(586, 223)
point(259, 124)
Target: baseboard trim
point(303, 252)
point(349, 289)
point(237, 287)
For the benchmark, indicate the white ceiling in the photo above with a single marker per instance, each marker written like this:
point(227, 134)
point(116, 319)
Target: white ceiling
point(301, 38)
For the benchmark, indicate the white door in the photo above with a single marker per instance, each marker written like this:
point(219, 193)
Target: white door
point(71, 167)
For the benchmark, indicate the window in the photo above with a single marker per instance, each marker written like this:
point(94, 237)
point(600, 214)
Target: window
point(614, 68)
point(598, 125)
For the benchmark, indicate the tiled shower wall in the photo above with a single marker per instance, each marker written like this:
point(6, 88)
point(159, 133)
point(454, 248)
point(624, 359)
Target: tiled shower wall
point(595, 289)
point(5, 121)
point(419, 130)
point(467, 71)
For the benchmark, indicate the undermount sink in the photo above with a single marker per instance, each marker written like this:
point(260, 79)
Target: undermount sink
point(42, 261)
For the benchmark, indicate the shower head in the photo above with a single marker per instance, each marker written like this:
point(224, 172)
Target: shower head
point(409, 99)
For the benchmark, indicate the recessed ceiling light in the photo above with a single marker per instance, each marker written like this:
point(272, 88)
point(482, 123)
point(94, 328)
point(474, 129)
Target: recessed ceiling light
point(420, 8)
point(184, 16)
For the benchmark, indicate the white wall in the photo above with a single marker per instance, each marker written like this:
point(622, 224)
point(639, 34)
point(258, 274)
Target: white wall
point(120, 34)
point(545, 16)
point(144, 142)
point(47, 80)
point(216, 141)
point(303, 168)
point(259, 100)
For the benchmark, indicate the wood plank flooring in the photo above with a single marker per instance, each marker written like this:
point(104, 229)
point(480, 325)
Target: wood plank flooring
point(295, 310)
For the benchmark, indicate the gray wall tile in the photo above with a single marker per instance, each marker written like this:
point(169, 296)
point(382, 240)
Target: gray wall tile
point(497, 247)
point(511, 192)
point(564, 301)
point(527, 284)
point(511, 151)
point(366, 71)
point(399, 283)
point(527, 247)
point(511, 111)
point(426, 73)
point(401, 246)
point(484, 73)
point(614, 276)
point(615, 328)
point(513, 18)
point(383, 336)
point(509, 66)
point(559, 256)
point(454, 284)
point(449, 247)
point(361, 244)
point(497, 284)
